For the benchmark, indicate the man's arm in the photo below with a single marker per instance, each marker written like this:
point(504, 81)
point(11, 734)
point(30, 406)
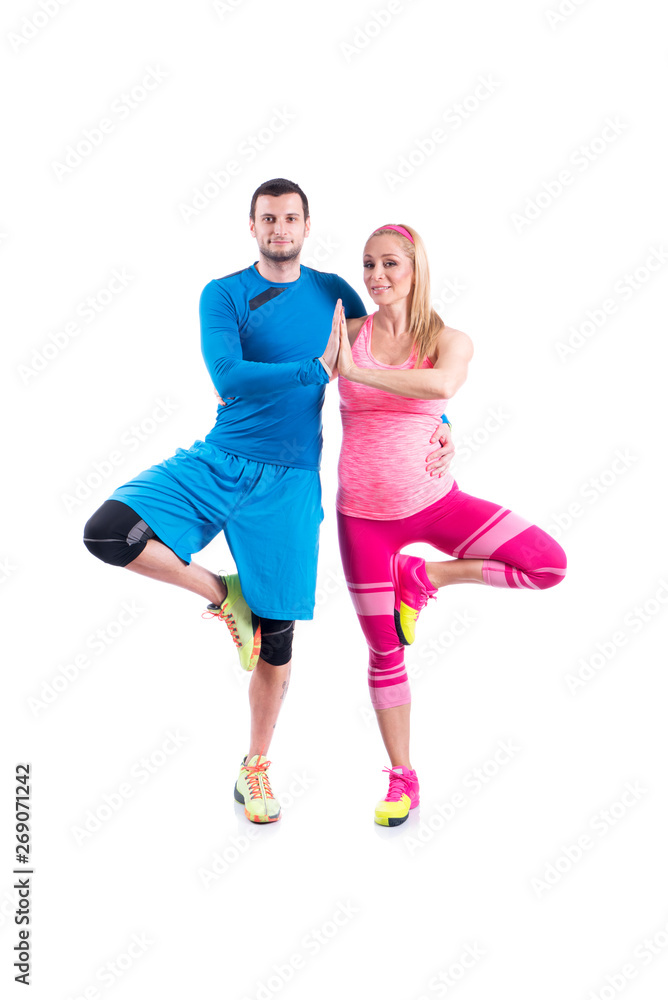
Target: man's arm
point(221, 348)
point(352, 303)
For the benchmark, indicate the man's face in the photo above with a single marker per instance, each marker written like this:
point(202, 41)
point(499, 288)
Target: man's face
point(279, 226)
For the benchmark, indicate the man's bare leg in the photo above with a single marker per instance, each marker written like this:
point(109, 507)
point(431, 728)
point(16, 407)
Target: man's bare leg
point(269, 684)
point(159, 563)
point(268, 688)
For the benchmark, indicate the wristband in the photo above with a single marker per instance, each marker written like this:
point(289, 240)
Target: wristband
point(444, 420)
point(326, 367)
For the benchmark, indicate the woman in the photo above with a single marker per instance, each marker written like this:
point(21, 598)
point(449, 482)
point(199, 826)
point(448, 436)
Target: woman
point(398, 368)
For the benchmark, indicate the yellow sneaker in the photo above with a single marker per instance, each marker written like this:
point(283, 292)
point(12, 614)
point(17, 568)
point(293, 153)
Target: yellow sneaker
point(244, 626)
point(410, 594)
point(254, 791)
point(403, 795)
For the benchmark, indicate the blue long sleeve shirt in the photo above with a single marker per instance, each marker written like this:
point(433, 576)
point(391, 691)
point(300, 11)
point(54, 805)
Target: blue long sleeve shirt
point(261, 342)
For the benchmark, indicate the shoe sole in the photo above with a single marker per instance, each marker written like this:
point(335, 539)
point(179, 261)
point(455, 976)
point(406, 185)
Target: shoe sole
point(396, 820)
point(254, 819)
point(255, 625)
point(257, 645)
point(397, 595)
point(391, 820)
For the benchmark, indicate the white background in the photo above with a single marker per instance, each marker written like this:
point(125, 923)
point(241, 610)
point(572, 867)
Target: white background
point(359, 95)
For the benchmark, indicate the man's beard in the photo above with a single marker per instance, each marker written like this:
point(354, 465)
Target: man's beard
point(281, 253)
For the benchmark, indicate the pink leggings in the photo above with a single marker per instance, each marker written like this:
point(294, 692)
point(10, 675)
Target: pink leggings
point(525, 557)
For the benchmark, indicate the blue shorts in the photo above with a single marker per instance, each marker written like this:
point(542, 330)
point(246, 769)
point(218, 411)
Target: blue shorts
point(270, 514)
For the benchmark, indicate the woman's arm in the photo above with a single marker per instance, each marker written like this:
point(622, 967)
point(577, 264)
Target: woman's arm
point(454, 350)
point(330, 357)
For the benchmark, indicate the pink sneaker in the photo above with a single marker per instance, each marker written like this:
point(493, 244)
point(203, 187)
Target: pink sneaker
point(411, 593)
point(403, 795)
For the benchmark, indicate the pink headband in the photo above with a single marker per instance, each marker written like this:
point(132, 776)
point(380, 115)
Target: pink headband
point(400, 230)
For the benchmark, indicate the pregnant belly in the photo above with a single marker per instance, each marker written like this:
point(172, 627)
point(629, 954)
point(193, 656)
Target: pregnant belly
point(382, 466)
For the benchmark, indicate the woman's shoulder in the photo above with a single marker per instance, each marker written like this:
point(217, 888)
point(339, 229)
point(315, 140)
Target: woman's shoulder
point(449, 342)
point(452, 339)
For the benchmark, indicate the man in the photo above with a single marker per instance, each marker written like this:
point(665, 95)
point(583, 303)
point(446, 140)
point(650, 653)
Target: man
point(256, 474)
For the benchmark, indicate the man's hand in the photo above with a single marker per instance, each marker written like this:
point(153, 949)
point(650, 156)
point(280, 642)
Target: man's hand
point(331, 352)
point(345, 362)
point(439, 460)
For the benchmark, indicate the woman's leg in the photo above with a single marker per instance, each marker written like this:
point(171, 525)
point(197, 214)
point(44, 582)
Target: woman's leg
point(441, 574)
point(395, 730)
point(491, 545)
point(366, 549)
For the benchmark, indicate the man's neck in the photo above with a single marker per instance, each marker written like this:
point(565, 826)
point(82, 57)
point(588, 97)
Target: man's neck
point(279, 270)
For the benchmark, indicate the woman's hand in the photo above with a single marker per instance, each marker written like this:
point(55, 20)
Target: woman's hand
point(221, 401)
point(345, 362)
point(439, 461)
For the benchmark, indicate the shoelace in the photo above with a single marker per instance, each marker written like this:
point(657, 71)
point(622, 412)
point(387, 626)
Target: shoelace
point(424, 597)
point(257, 775)
point(398, 785)
point(213, 612)
point(412, 613)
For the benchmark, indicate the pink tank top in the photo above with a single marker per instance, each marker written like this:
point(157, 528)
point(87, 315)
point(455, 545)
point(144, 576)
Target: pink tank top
point(382, 470)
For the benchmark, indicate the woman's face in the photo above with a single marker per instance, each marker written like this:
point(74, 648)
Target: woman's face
point(388, 271)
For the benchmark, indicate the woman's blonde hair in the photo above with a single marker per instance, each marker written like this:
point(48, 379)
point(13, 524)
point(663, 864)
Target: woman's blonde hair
point(425, 324)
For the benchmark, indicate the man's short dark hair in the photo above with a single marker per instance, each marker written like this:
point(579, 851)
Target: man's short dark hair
point(275, 188)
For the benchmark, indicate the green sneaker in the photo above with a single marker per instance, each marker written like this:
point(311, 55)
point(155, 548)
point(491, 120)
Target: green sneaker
point(254, 791)
point(244, 626)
